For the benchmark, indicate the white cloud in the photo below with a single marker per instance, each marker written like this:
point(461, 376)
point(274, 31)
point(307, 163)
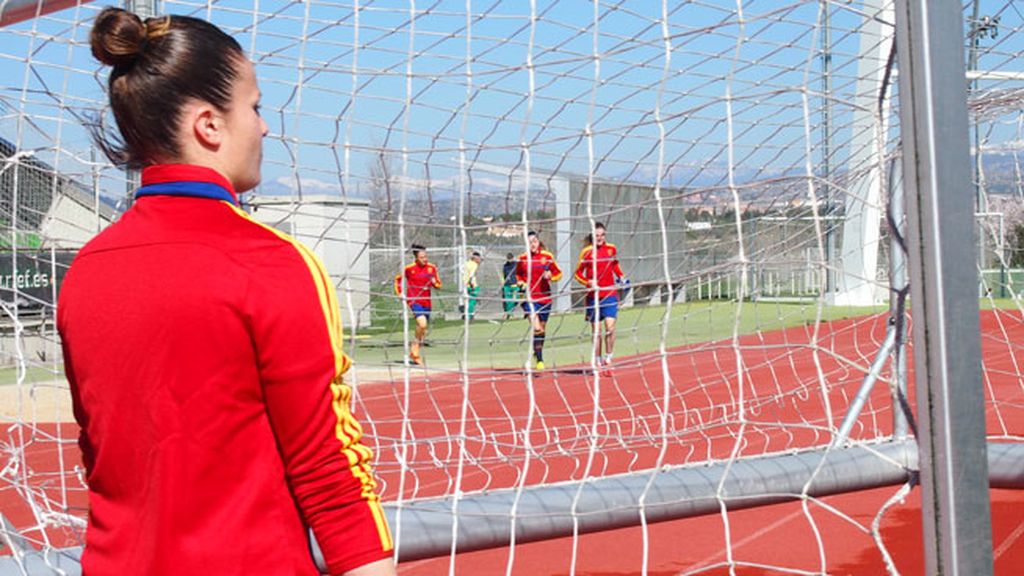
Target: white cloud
point(308, 184)
point(1003, 147)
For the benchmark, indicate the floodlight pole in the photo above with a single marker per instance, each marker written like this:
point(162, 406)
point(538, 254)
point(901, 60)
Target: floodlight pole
point(143, 8)
point(943, 279)
point(978, 28)
point(972, 64)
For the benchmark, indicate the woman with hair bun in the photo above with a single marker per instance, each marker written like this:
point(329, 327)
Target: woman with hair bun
point(203, 349)
point(536, 269)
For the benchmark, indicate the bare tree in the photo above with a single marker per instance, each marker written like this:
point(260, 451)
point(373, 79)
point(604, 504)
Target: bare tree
point(382, 172)
point(1012, 209)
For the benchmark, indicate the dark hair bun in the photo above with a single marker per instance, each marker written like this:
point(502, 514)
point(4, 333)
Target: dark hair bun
point(117, 37)
point(159, 65)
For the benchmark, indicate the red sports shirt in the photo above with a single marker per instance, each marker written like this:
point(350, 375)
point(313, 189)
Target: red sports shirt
point(418, 281)
point(608, 270)
point(530, 271)
point(203, 350)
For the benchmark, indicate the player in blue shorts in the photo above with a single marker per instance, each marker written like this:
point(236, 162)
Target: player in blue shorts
point(414, 283)
point(535, 271)
point(600, 272)
point(606, 308)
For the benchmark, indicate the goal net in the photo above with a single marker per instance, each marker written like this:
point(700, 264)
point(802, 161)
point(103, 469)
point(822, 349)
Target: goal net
point(740, 156)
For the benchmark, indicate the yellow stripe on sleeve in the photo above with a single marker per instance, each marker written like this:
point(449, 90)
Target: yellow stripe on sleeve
point(347, 429)
point(325, 291)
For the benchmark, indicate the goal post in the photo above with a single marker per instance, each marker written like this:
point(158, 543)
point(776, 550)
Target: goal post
point(545, 512)
point(14, 11)
point(955, 510)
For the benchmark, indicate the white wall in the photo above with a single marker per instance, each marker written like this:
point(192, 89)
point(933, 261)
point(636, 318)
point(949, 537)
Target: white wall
point(337, 230)
point(69, 224)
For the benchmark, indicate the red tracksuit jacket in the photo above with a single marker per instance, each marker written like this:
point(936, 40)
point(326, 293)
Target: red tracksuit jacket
point(203, 350)
point(608, 269)
point(530, 269)
point(418, 281)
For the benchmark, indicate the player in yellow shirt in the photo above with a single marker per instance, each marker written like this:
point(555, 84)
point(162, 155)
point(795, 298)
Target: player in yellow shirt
point(469, 280)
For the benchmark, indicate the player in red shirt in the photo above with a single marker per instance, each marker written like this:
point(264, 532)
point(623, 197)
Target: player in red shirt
point(418, 279)
point(600, 272)
point(535, 271)
point(202, 348)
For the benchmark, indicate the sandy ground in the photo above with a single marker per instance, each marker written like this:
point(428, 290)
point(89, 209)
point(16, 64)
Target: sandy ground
point(36, 402)
point(51, 401)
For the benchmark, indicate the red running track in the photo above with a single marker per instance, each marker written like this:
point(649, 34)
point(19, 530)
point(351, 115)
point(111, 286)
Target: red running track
point(792, 381)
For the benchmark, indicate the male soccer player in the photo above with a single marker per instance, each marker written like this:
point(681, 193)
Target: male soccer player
point(536, 270)
point(599, 271)
point(419, 278)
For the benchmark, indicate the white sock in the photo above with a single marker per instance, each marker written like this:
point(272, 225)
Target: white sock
point(607, 358)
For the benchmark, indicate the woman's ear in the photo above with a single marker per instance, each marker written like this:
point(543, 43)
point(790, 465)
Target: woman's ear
point(207, 126)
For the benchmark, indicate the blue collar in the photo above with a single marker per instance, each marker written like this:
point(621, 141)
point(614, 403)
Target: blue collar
point(186, 180)
point(193, 189)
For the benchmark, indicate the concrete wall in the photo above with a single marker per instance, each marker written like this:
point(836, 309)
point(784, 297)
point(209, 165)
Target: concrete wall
point(337, 230)
point(630, 213)
point(70, 224)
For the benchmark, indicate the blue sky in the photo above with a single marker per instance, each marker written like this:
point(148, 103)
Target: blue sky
point(414, 92)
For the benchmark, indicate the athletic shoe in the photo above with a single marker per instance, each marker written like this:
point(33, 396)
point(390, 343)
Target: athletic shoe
point(539, 366)
point(415, 359)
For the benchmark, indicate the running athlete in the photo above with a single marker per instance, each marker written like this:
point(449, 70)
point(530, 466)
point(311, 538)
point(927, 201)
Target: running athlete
point(418, 277)
point(535, 271)
point(600, 272)
point(202, 348)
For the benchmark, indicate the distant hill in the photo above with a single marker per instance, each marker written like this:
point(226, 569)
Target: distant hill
point(1001, 172)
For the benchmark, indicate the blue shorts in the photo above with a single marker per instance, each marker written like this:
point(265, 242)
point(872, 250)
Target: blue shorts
point(419, 310)
point(541, 310)
point(608, 307)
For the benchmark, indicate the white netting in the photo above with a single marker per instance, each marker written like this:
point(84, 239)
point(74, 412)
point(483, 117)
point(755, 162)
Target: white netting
point(737, 151)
